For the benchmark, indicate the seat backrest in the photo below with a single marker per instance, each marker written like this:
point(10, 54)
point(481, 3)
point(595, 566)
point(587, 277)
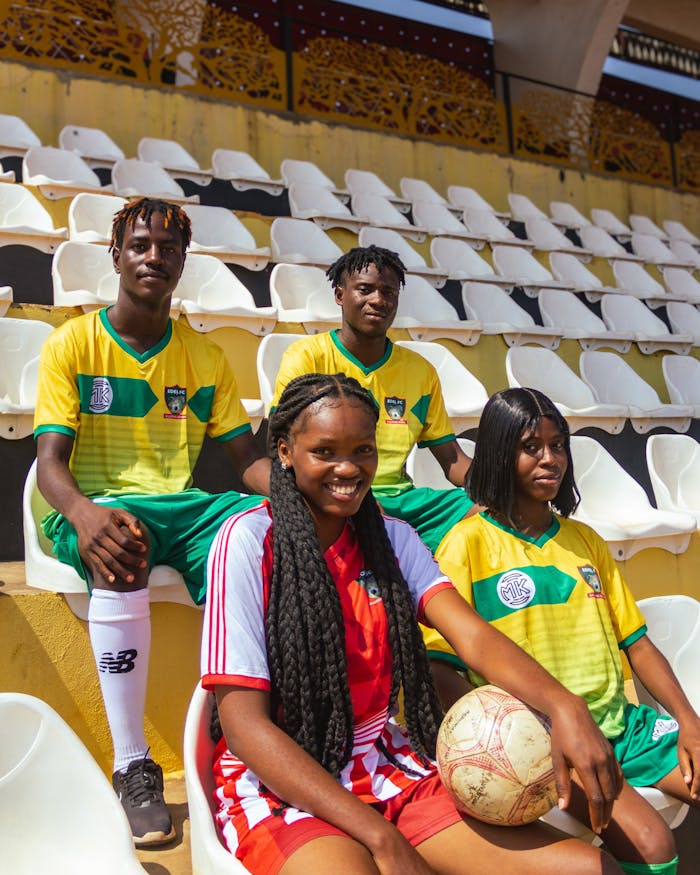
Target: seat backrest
point(567, 268)
point(305, 196)
point(650, 247)
point(568, 214)
point(633, 276)
point(609, 222)
point(613, 381)
point(625, 313)
point(169, 153)
point(392, 240)
point(457, 257)
point(684, 319)
point(377, 209)
point(90, 216)
point(298, 239)
point(300, 286)
point(606, 488)
point(419, 190)
point(678, 231)
point(306, 172)
point(230, 163)
point(14, 131)
point(424, 469)
point(462, 196)
point(545, 235)
point(685, 252)
point(19, 207)
point(460, 387)
point(485, 223)
point(682, 283)
point(357, 181)
point(422, 302)
point(645, 225)
point(669, 457)
point(542, 369)
point(270, 351)
point(516, 262)
point(60, 165)
point(600, 242)
point(207, 281)
point(217, 226)
point(20, 343)
point(561, 310)
point(682, 377)
point(41, 758)
point(143, 177)
point(83, 267)
point(491, 304)
point(90, 142)
point(437, 216)
point(523, 208)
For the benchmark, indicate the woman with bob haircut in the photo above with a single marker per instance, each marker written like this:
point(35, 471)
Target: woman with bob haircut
point(552, 586)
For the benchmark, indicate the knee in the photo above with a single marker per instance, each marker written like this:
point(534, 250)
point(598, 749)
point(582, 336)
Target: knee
point(654, 842)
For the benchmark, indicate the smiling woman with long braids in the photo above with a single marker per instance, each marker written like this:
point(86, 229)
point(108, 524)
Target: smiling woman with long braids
point(311, 630)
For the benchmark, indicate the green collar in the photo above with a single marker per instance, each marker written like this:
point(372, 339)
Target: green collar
point(538, 542)
point(139, 356)
point(350, 357)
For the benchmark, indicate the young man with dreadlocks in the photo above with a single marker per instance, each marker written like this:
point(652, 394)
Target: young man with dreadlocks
point(310, 631)
point(406, 388)
point(126, 397)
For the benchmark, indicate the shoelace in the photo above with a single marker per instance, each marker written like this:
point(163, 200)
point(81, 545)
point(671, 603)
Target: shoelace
point(140, 782)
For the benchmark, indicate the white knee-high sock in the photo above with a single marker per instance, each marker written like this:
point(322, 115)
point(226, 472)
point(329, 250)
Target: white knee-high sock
point(120, 633)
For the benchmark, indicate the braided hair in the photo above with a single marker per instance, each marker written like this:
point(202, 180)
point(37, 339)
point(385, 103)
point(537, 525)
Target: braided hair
point(305, 631)
point(358, 259)
point(144, 209)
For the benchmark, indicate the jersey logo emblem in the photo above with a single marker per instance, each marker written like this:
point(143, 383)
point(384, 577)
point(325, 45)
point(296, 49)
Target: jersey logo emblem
point(395, 408)
point(175, 401)
point(590, 575)
point(101, 396)
point(663, 726)
point(368, 582)
point(515, 589)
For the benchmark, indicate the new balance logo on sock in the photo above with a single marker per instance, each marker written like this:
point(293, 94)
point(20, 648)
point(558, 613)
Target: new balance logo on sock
point(122, 663)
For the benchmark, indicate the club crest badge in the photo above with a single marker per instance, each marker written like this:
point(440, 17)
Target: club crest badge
point(175, 401)
point(395, 408)
point(590, 575)
point(368, 582)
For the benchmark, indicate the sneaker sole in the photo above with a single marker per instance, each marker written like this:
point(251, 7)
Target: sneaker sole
point(153, 839)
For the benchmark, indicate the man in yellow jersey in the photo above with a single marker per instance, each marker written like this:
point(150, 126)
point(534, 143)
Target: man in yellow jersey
point(406, 388)
point(126, 397)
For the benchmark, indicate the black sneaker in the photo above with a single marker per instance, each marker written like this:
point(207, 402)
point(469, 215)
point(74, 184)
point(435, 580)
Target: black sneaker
point(140, 791)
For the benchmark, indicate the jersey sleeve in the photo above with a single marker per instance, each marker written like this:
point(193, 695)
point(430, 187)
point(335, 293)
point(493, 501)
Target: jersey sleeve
point(296, 360)
point(228, 417)
point(628, 621)
point(437, 427)
point(58, 399)
point(233, 637)
point(453, 558)
point(417, 565)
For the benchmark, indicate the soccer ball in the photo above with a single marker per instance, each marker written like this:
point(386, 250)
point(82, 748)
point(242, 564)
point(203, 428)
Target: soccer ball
point(494, 758)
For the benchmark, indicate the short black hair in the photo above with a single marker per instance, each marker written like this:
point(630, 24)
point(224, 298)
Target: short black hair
point(360, 257)
point(507, 416)
point(143, 209)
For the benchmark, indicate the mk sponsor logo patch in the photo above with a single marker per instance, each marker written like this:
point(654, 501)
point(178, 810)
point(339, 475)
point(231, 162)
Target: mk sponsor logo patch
point(395, 408)
point(101, 396)
point(175, 401)
point(122, 663)
point(516, 589)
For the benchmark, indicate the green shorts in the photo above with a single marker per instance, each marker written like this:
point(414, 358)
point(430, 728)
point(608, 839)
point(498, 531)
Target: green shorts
point(431, 512)
point(647, 749)
point(181, 527)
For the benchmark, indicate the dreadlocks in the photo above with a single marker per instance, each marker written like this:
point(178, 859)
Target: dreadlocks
point(305, 632)
point(144, 209)
point(358, 259)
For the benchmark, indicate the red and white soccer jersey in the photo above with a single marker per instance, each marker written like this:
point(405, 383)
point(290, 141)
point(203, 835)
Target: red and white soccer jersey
point(234, 653)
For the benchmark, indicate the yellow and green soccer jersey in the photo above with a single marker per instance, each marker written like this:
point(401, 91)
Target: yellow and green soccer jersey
point(405, 387)
point(138, 420)
point(560, 597)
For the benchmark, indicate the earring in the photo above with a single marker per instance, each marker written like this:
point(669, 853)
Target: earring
point(284, 466)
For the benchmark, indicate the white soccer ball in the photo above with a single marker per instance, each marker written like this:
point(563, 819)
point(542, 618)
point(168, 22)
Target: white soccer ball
point(494, 758)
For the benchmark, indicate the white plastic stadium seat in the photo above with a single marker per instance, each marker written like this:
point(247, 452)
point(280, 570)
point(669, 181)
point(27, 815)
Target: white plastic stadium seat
point(6, 298)
point(542, 369)
point(685, 252)
point(440, 222)
point(600, 243)
point(609, 222)
point(42, 759)
point(415, 190)
point(243, 172)
point(682, 378)
point(463, 196)
point(270, 352)
point(213, 297)
point(59, 173)
point(412, 259)
point(424, 469)
point(616, 506)
point(644, 225)
point(298, 241)
point(499, 314)
point(622, 313)
point(567, 215)
point(576, 322)
point(678, 231)
point(654, 251)
point(209, 856)
point(463, 394)
point(684, 319)
point(90, 217)
point(673, 461)
point(307, 201)
point(219, 232)
point(93, 145)
point(133, 178)
point(24, 221)
point(174, 158)
point(43, 571)
point(461, 262)
point(426, 315)
point(16, 136)
point(546, 236)
point(488, 226)
point(382, 213)
point(527, 271)
point(20, 343)
point(682, 284)
point(613, 381)
point(634, 279)
point(364, 181)
point(568, 269)
point(294, 171)
point(523, 208)
point(302, 293)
